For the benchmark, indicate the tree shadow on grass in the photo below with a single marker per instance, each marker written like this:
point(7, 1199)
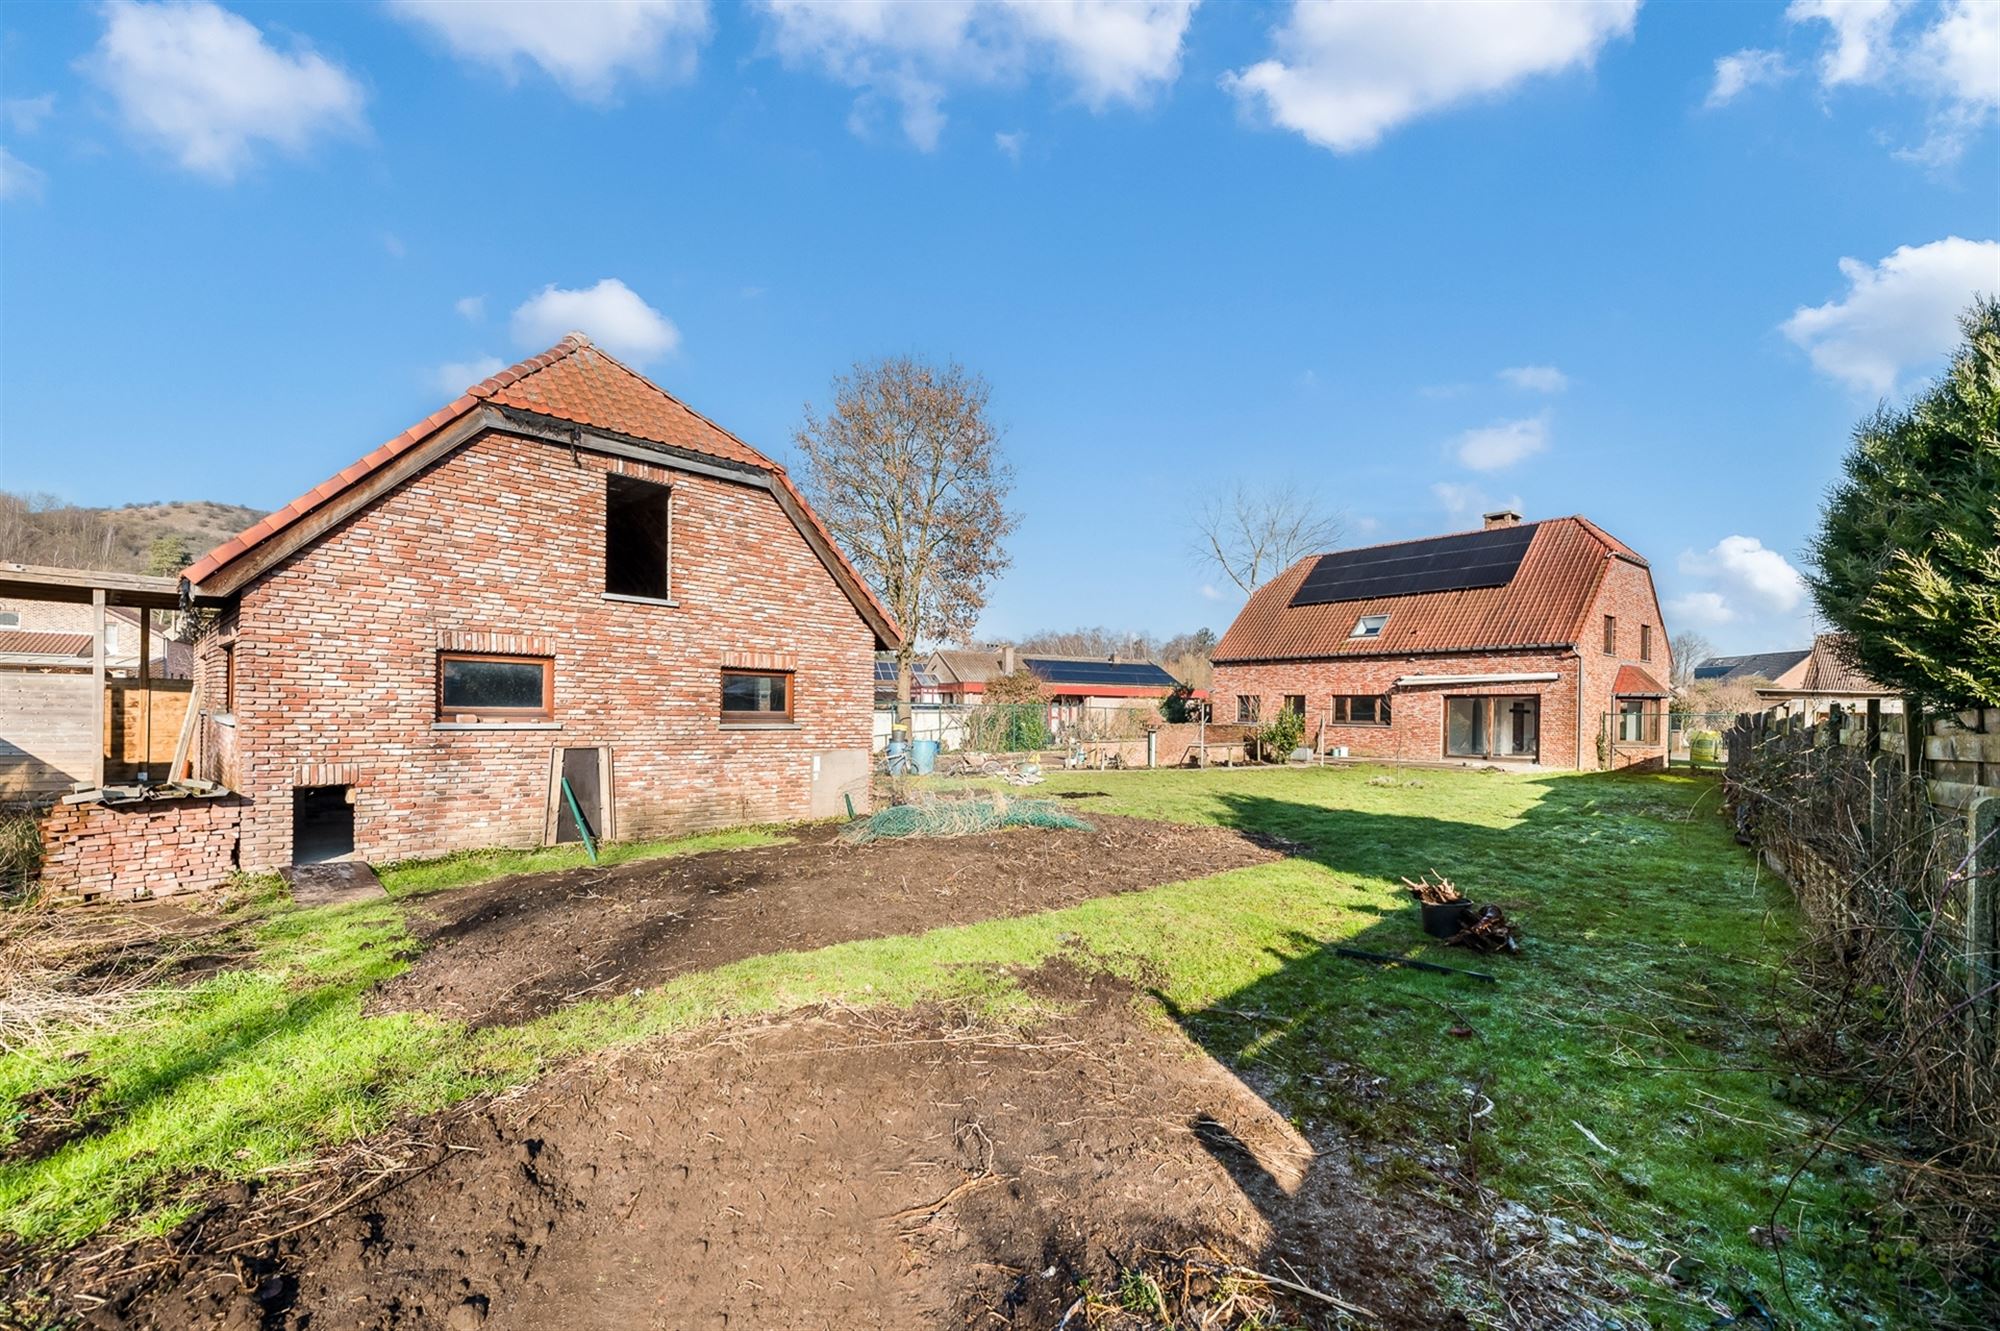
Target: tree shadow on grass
point(1421, 1094)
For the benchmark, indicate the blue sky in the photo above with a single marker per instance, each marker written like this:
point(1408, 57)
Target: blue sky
point(1301, 246)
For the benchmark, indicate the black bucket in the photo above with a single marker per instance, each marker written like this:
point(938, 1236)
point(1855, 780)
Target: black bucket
point(1445, 921)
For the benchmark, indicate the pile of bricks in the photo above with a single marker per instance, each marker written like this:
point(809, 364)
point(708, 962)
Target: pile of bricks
point(133, 852)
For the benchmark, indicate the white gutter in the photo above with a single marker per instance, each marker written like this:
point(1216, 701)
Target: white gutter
point(1410, 681)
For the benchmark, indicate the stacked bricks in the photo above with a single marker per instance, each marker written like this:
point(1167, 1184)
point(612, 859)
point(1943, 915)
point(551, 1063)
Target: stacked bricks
point(132, 852)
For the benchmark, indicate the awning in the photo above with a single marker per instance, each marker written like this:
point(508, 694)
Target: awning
point(1632, 682)
point(1411, 681)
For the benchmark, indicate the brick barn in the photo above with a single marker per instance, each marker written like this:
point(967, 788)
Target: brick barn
point(566, 573)
point(1537, 644)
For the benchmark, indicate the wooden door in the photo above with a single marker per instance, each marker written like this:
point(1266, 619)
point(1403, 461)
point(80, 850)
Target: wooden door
point(583, 769)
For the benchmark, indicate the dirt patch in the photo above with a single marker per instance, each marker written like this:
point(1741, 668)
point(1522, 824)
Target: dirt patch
point(837, 1169)
point(519, 947)
point(46, 1120)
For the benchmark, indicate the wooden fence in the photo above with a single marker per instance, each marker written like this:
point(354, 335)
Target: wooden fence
point(1887, 827)
point(46, 745)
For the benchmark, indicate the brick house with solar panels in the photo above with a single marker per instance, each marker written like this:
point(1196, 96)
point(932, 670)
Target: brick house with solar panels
point(1533, 644)
point(566, 574)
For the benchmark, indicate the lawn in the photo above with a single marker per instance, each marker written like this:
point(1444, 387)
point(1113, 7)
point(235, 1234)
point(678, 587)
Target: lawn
point(1626, 1054)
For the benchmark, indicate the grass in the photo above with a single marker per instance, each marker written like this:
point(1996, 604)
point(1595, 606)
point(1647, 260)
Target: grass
point(1638, 1014)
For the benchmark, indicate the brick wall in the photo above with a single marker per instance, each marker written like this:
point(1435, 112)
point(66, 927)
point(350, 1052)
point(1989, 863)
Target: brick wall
point(1627, 594)
point(129, 852)
point(500, 547)
point(1416, 729)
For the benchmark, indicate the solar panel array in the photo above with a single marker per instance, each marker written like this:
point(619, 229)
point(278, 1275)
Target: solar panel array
point(885, 673)
point(1142, 674)
point(1439, 564)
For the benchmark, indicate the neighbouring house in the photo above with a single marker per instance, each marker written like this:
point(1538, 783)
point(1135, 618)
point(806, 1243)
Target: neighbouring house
point(1783, 670)
point(1521, 643)
point(565, 593)
point(1083, 692)
point(1827, 676)
point(56, 635)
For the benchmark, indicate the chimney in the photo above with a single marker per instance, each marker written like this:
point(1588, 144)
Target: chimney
point(1007, 660)
point(1502, 517)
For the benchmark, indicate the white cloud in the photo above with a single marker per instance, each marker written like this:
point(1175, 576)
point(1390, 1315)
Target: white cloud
point(26, 114)
point(585, 48)
point(1704, 609)
point(18, 180)
point(1536, 378)
point(1734, 74)
point(1860, 50)
point(1343, 75)
point(1492, 447)
point(393, 245)
point(1899, 314)
point(1010, 145)
point(1953, 64)
point(1744, 573)
point(610, 314)
point(912, 55)
point(1460, 500)
point(203, 83)
point(472, 309)
point(457, 376)
point(1209, 593)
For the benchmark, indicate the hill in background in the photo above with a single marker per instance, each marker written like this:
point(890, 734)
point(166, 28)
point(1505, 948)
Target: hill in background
point(38, 529)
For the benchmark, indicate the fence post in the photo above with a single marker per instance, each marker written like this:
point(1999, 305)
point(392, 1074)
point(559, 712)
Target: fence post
point(1913, 742)
point(1982, 915)
point(1874, 726)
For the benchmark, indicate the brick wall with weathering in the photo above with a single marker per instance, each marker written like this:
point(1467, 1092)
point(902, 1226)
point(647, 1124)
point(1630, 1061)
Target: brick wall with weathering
point(500, 547)
point(1627, 594)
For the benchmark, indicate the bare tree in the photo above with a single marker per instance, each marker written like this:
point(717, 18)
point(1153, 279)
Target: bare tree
point(1689, 650)
point(905, 469)
point(1251, 533)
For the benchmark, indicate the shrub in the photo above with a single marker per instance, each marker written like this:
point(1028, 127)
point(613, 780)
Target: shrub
point(1284, 733)
point(20, 855)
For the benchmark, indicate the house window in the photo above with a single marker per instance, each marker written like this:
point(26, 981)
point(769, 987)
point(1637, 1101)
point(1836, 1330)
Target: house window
point(10, 619)
point(1611, 635)
point(1638, 722)
point(1295, 703)
point(1361, 710)
point(229, 678)
point(477, 687)
point(1246, 707)
point(756, 697)
point(1369, 626)
point(638, 537)
point(1645, 642)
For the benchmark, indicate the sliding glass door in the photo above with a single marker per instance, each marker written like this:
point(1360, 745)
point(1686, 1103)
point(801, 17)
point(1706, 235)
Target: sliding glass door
point(1493, 727)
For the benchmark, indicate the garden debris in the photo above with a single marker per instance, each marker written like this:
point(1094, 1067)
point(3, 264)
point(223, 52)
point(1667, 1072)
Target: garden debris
point(1481, 928)
point(1388, 959)
point(947, 818)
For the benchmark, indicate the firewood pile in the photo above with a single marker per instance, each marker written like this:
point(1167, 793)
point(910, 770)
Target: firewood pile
point(1481, 928)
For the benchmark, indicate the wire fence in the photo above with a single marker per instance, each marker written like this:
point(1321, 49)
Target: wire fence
point(1895, 860)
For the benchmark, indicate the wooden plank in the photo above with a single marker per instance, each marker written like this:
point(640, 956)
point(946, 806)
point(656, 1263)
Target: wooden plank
point(97, 679)
point(178, 768)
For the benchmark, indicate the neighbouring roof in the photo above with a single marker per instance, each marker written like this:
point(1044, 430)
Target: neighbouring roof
point(1831, 668)
point(28, 642)
point(1088, 672)
point(575, 383)
point(1542, 601)
point(968, 665)
point(1756, 665)
point(1632, 682)
point(920, 678)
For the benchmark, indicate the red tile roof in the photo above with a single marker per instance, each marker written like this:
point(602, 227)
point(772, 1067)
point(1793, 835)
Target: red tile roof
point(1544, 605)
point(1831, 668)
point(1632, 682)
point(572, 381)
point(28, 642)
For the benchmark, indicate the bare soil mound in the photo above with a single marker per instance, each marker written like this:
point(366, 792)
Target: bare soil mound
point(833, 1170)
point(516, 948)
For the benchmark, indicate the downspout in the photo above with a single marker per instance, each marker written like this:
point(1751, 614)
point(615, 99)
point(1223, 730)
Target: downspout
point(1579, 709)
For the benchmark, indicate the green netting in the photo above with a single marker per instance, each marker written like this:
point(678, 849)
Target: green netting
point(943, 818)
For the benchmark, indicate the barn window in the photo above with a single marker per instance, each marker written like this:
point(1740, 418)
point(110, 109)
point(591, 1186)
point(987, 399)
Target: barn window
point(478, 687)
point(1295, 703)
point(756, 697)
point(638, 538)
point(1361, 710)
point(10, 619)
point(1246, 707)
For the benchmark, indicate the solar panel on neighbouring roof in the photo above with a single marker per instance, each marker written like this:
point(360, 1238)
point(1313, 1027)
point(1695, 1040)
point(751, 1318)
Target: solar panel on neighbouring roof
point(1439, 564)
point(885, 673)
point(1141, 674)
